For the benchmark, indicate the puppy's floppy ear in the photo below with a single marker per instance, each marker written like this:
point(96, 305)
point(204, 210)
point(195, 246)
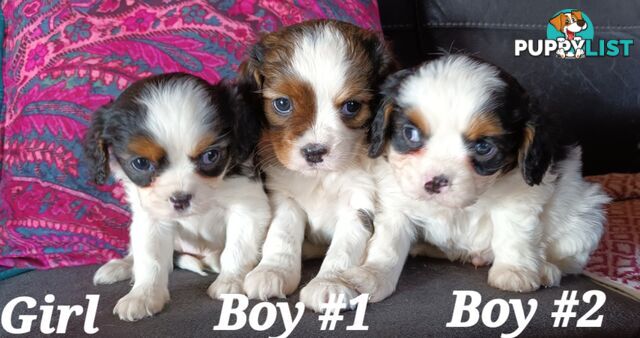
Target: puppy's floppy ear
point(384, 62)
point(96, 147)
point(538, 149)
point(557, 21)
point(242, 111)
point(380, 124)
point(250, 69)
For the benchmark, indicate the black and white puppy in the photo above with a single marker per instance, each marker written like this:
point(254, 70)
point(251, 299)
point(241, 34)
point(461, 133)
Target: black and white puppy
point(473, 170)
point(183, 149)
point(318, 81)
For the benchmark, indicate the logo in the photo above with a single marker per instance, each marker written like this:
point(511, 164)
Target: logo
point(570, 35)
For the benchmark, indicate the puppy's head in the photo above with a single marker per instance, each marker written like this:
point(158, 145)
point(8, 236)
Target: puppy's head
point(171, 139)
point(318, 81)
point(571, 22)
point(452, 126)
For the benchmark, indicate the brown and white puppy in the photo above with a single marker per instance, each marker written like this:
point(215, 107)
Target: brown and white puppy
point(569, 24)
point(473, 169)
point(183, 150)
point(319, 81)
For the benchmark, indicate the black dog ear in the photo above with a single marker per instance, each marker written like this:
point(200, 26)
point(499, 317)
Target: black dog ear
point(249, 70)
point(243, 111)
point(379, 126)
point(538, 149)
point(379, 131)
point(96, 147)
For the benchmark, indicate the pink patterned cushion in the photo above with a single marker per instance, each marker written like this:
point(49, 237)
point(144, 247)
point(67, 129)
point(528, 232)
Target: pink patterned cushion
point(616, 262)
point(64, 59)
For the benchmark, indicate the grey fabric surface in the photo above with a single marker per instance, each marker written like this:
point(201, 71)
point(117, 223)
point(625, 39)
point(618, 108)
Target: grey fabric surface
point(421, 306)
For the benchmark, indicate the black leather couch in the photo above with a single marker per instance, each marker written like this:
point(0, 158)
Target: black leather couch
point(597, 98)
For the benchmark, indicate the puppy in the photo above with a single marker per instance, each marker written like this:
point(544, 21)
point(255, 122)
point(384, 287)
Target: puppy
point(318, 81)
point(473, 170)
point(183, 151)
point(569, 24)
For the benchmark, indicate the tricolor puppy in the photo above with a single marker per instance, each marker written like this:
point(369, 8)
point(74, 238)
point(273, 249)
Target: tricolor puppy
point(183, 150)
point(569, 24)
point(318, 81)
point(473, 170)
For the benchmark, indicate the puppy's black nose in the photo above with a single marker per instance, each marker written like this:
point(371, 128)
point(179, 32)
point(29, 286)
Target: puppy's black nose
point(180, 200)
point(580, 23)
point(313, 152)
point(437, 183)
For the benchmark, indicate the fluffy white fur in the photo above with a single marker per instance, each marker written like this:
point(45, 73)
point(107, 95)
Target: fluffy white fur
point(531, 234)
point(221, 231)
point(326, 197)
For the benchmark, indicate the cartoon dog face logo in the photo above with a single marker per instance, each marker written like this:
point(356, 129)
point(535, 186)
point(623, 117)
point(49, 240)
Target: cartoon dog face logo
point(569, 24)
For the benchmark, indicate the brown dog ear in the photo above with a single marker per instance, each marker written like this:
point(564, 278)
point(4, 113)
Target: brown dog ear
point(250, 69)
point(557, 22)
point(384, 61)
point(96, 147)
point(578, 14)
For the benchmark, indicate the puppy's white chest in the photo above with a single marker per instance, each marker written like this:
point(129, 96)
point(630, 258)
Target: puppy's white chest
point(201, 234)
point(466, 230)
point(319, 196)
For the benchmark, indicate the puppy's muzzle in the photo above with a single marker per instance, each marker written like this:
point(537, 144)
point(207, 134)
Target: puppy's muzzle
point(313, 152)
point(180, 200)
point(436, 184)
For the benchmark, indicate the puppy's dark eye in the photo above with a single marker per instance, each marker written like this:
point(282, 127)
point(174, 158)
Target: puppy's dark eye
point(350, 108)
point(209, 157)
point(411, 134)
point(282, 106)
point(484, 148)
point(142, 164)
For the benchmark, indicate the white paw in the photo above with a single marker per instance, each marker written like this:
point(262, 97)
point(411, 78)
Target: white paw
point(225, 285)
point(266, 282)
point(368, 280)
point(115, 270)
point(140, 303)
point(212, 261)
point(512, 278)
point(319, 291)
point(550, 275)
point(190, 263)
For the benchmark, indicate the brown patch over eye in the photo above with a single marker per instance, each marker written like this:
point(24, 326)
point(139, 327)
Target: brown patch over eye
point(355, 92)
point(202, 145)
point(418, 120)
point(303, 104)
point(483, 125)
point(146, 147)
point(285, 129)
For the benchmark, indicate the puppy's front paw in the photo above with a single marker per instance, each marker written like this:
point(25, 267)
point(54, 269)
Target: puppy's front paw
point(113, 271)
point(267, 282)
point(141, 303)
point(550, 275)
point(368, 280)
point(320, 289)
point(225, 285)
point(512, 278)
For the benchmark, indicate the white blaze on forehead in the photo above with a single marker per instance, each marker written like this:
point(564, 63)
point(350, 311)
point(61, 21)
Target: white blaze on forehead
point(320, 58)
point(177, 112)
point(449, 91)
